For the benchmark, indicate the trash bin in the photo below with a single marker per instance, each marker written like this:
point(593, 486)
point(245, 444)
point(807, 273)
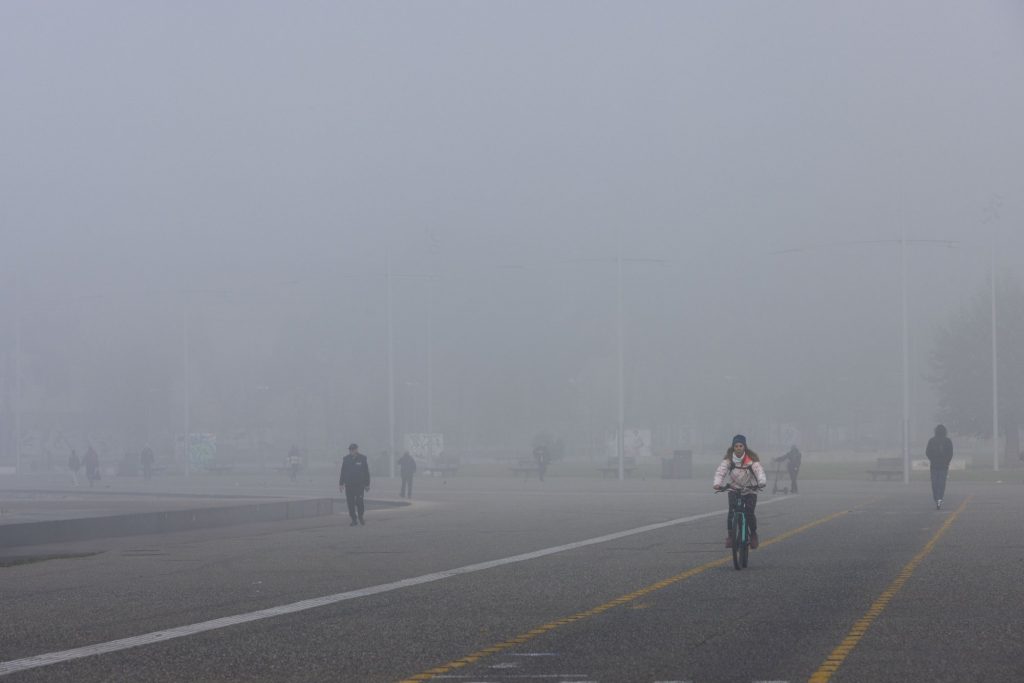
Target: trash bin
point(668, 468)
point(684, 464)
point(679, 466)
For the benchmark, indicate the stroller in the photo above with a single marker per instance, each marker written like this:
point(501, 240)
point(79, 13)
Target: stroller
point(776, 488)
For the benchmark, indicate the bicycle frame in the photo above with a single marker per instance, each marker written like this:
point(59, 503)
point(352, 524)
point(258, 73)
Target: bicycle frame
point(739, 531)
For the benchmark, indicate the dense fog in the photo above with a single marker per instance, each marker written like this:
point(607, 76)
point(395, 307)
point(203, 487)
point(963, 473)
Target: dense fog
point(210, 212)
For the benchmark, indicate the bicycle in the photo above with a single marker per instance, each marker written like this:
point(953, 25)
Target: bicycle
point(739, 532)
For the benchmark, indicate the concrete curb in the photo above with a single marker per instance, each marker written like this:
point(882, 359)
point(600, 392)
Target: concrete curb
point(84, 528)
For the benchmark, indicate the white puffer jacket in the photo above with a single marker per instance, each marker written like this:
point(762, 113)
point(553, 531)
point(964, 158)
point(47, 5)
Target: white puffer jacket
point(748, 475)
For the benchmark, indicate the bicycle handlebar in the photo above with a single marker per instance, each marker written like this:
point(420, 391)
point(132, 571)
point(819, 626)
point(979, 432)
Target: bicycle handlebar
point(741, 491)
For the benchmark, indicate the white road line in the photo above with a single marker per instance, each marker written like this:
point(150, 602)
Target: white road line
point(50, 658)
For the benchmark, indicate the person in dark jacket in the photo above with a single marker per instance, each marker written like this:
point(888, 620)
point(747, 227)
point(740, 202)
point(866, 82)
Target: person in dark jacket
point(146, 458)
point(939, 452)
point(74, 464)
point(408, 468)
point(540, 454)
point(792, 458)
point(354, 481)
point(91, 461)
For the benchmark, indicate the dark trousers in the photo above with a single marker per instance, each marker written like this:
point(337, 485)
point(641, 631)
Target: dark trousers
point(792, 478)
point(354, 500)
point(939, 483)
point(751, 500)
point(406, 486)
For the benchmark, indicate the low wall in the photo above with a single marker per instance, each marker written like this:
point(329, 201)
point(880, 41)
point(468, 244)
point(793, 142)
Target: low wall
point(84, 528)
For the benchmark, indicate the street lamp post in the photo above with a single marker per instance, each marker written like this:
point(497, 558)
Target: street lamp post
point(390, 275)
point(620, 445)
point(17, 374)
point(186, 362)
point(430, 357)
point(995, 362)
point(906, 358)
point(391, 375)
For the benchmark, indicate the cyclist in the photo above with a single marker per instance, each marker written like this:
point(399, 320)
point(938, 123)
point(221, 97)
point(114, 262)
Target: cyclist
point(741, 468)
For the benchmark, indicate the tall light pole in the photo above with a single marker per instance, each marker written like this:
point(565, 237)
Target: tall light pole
point(620, 444)
point(906, 358)
point(430, 357)
point(620, 439)
point(186, 363)
point(391, 374)
point(17, 373)
point(995, 362)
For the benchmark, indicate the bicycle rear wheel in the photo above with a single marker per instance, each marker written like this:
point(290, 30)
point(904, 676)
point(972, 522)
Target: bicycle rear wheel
point(744, 553)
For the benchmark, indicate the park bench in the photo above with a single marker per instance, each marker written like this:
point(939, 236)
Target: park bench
point(611, 469)
point(890, 468)
point(441, 468)
point(525, 467)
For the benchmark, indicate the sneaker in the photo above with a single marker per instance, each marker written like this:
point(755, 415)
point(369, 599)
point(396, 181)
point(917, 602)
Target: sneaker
point(728, 541)
point(938, 504)
point(753, 541)
point(361, 521)
point(353, 523)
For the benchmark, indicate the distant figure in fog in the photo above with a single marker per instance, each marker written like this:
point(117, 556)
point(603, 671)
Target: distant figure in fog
point(408, 468)
point(354, 481)
point(146, 458)
point(294, 461)
point(540, 454)
point(792, 458)
point(939, 452)
point(74, 464)
point(92, 465)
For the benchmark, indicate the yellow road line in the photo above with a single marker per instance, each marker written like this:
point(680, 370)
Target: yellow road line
point(860, 627)
point(594, 611)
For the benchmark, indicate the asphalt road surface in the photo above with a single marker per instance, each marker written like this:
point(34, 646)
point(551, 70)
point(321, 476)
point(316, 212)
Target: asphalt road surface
point(492, 580)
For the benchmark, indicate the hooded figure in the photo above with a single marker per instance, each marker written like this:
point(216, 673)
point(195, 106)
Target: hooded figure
point(939, 453)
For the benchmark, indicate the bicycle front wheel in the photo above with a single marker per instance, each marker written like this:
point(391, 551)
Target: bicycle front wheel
point(739, 541)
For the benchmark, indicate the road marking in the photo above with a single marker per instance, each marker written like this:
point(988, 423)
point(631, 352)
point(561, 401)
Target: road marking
point(522, 638)
point(50, 658)
point(838, 655)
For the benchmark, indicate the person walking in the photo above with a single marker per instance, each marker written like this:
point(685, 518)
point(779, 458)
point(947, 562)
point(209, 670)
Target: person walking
point(741, 469)
point(939, 452)
point(294, 461)
point(792, 458)
point(92, 465)
point(74, 464)
point(407, 466)
point(540, 454)
point(146, 458)
point(354, 481)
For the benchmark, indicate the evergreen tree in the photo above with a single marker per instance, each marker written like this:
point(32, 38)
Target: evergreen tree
point(962, 367)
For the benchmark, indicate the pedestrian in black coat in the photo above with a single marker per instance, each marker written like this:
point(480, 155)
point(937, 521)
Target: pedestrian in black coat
point(939, 452)
point(407, 465)
point(354, 481)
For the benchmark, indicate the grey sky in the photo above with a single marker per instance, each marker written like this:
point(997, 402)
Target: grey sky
point(237, 145)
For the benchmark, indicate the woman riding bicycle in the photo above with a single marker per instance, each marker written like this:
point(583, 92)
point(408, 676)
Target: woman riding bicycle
point(741, 469)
